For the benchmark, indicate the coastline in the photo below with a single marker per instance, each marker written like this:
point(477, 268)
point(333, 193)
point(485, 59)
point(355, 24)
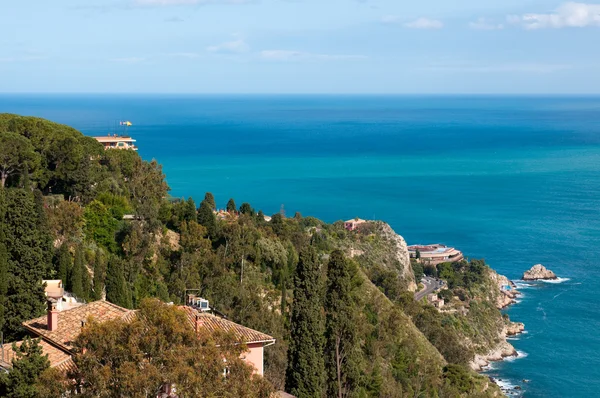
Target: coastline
point(507, 295)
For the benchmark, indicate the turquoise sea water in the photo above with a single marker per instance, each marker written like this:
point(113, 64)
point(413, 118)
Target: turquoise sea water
point(514, 180)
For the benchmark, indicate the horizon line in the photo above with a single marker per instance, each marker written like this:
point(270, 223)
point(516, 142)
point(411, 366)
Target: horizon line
point(536, 94)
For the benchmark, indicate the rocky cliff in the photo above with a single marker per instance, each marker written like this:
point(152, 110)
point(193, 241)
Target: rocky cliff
point(400, 250)
point(538, 272)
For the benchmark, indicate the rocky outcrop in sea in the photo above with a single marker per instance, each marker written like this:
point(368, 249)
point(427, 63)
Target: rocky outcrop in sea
point(538, 272)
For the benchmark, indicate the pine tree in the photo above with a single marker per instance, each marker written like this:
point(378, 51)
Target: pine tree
point(117, 291)
point(207, 218)
point(29, 364)
point(231, 208)
point(305, 371)
point(64, 266)
point(190, 210)
point(210, 199)
point(340, 327)
point(99, 274)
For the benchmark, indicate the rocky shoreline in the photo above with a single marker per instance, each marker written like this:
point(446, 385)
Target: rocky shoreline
point(507, 295)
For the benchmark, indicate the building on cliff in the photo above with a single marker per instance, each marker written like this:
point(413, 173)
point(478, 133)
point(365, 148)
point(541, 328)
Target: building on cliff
point(435, 254)
point(352, 225)
point(117, 142)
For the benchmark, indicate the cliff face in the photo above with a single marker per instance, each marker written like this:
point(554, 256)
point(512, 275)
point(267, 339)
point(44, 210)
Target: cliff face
point(400, 250)
point(499, 348)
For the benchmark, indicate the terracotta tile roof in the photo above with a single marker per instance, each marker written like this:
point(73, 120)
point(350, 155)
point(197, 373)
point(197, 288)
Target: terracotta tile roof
point(213, 323)
point(57, 357)
point(69, 322)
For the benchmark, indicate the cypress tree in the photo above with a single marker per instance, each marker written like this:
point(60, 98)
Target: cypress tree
point(305, 372)
point(117, 291)
point(86, 281)
point(210, 199)
point(99, 274)
point(231, 207)
point(340, 327)
point(3, 261)
point(77, 274)
point(64, 266)
point(207, 218)
point(29, 251)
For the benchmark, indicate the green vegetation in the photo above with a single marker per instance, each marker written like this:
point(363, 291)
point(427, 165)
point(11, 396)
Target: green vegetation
point(305, 373)
point(29, 364)
point(172, 353)
point(336, 301)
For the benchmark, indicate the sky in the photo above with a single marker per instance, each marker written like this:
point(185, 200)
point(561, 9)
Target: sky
point(300, 46)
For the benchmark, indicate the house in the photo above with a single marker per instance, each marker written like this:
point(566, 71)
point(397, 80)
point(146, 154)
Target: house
point(352, 225)
point(117, 142)
point(435, 254)
point(254, 340)
point(435, 300)
point(59, 329)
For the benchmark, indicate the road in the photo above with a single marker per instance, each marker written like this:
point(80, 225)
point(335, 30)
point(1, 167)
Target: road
point(431, 285)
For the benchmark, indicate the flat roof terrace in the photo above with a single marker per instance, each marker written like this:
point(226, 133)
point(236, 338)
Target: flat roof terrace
point(113, 138)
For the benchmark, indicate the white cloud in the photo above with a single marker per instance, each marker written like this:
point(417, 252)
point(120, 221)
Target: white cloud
point(484, 24)
point(290, 55)
point(572, 15)
point(238, 46)
point(425, 23)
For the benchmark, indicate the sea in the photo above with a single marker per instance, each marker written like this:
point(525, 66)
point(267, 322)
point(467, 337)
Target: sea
point(511, 179)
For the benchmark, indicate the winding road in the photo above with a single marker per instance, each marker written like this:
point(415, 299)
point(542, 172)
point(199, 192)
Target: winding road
point(431, 285)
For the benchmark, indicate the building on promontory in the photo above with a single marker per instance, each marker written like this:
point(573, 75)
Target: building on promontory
point(435, 254)
point(113, 141)
point(354, 224)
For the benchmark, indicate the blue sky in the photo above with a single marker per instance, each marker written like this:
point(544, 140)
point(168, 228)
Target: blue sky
point(300, 46)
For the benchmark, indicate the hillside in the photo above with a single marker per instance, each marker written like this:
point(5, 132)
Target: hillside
point(62, 205)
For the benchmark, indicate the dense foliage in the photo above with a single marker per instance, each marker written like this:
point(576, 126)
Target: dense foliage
point(345, 327)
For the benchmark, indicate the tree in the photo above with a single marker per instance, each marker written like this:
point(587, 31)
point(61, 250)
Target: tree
point(3, 262)
point(29, 364)
point(160, 348)
point(99, 274)
point(231, 208)
point(190, 210)
point(210, 200)
point(100, 226)
point(15, 152)
point(207, 218)
point(245, 208)
point(117, 291)
point(29, 254)
point(193, 237)
point(340, 327)
point(306, 370)
point(64, 264)
point(80, 277)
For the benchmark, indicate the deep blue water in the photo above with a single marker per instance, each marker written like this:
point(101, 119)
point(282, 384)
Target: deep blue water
point(515, 180)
